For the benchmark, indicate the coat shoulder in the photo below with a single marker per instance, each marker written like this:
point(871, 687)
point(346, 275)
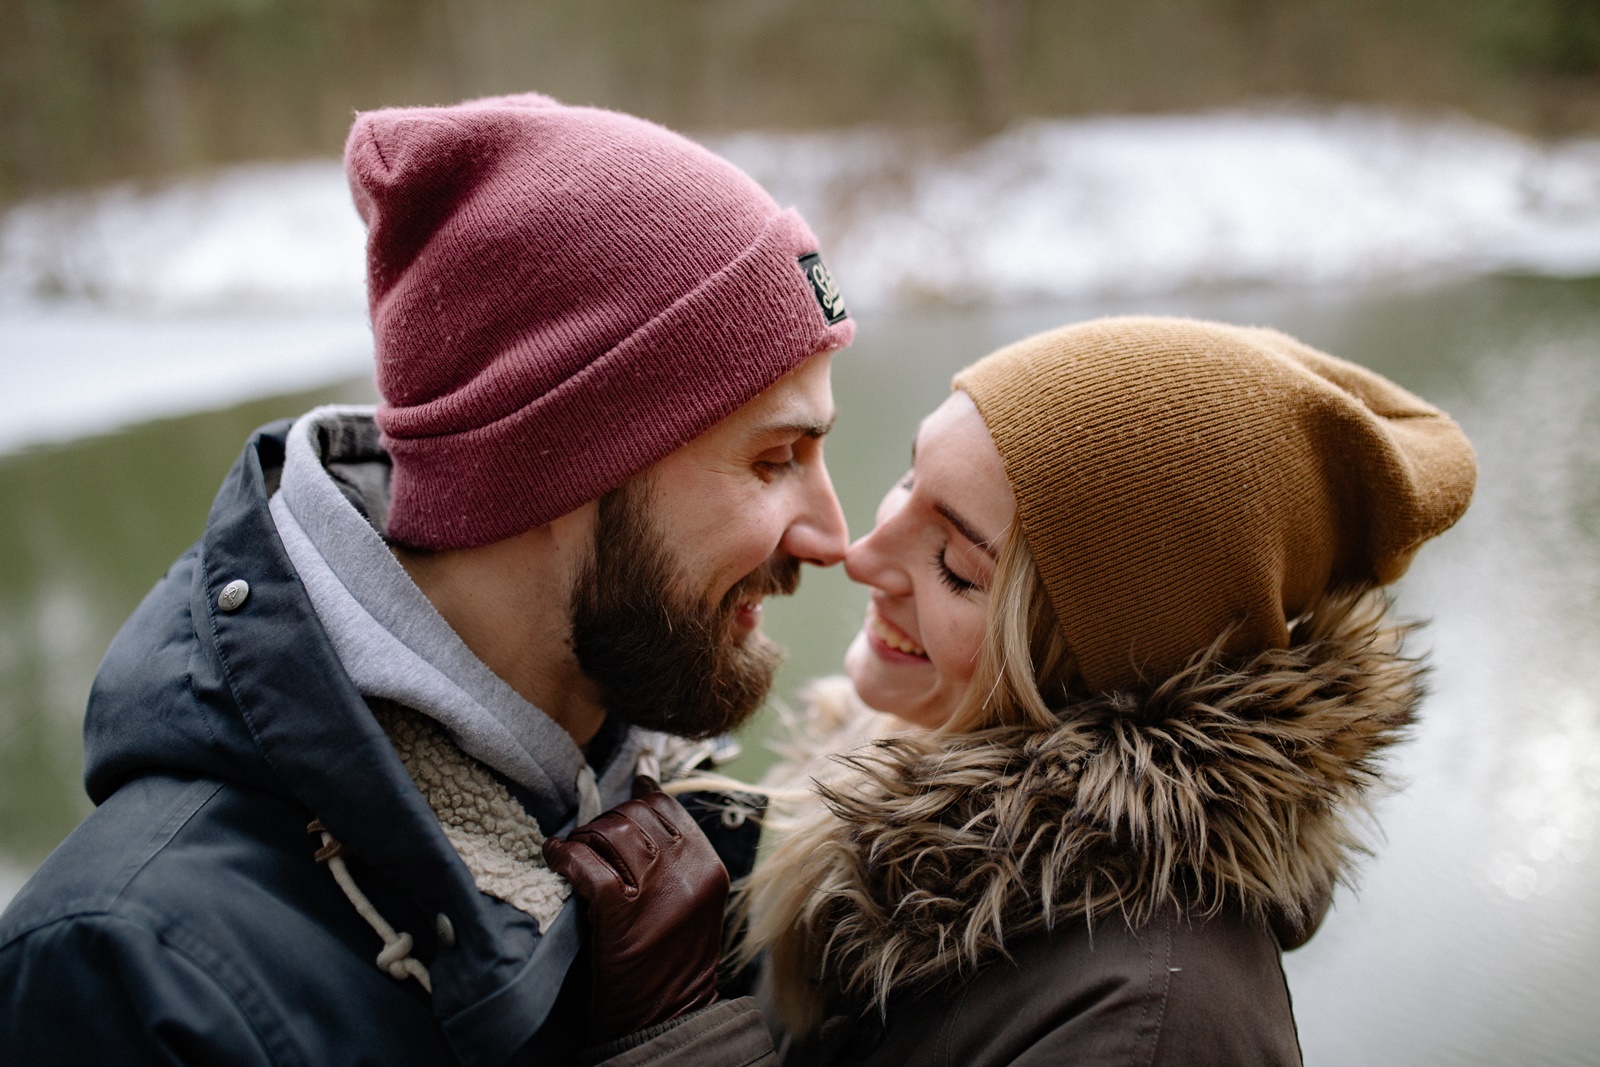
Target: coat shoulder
point(193, 911)
point(1175, 990)
point(96, 965)
point(1179, 989)
point(92, 871)
point(97, 987)
point(1226, 1000)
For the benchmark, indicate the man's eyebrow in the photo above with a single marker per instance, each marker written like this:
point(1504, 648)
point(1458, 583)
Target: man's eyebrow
point(964, 528)
point(799, 428)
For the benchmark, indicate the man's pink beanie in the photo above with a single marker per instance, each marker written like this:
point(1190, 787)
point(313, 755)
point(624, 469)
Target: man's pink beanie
point(560, 297)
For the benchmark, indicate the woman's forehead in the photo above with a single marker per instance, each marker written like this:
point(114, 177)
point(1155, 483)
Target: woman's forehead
point(958, 466)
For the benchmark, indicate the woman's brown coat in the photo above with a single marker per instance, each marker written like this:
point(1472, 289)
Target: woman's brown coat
point(1115, 890)
point(1173, 992)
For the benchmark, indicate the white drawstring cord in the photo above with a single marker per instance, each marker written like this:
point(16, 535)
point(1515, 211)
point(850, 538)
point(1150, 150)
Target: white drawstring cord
point(396, 956)
point(588, 796)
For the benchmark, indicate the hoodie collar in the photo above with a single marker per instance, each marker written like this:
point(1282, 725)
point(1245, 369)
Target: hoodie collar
point(389, 638)
point(268, 664)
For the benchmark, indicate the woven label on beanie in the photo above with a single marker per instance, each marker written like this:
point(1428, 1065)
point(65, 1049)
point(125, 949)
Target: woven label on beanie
point(825, 288)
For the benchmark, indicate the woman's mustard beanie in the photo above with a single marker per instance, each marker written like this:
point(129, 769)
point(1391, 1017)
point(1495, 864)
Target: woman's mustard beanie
point(1178, 479)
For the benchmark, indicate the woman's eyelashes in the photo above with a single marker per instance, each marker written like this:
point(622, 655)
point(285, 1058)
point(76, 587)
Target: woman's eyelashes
point(952, 581)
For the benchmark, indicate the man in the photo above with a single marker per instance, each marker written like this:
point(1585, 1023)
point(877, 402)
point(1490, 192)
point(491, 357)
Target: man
point(332, 744)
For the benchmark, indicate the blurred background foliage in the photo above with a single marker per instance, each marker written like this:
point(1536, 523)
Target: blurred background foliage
point(94, 90)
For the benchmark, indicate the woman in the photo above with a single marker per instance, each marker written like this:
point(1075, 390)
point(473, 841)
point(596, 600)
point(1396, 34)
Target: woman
point(1127, 618)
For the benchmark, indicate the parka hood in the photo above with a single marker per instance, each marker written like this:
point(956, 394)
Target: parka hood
point(1237, 788)
point(256, 696)
point(166, 655)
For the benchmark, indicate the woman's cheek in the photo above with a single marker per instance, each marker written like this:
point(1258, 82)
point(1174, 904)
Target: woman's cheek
point(961, 642)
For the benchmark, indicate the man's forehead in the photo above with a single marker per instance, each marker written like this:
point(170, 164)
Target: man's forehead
point(799, 415)
point(799, 402)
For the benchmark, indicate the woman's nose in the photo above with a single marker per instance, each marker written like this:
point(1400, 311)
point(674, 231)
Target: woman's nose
point(872, 561)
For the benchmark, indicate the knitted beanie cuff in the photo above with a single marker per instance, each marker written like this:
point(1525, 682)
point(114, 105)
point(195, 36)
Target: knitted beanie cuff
point(673, 378)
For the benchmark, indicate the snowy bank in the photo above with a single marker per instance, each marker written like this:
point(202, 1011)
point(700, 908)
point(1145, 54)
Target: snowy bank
point(130, 302)
point(1139, 206)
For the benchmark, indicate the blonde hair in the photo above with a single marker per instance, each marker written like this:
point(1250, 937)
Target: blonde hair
point(1024, 666)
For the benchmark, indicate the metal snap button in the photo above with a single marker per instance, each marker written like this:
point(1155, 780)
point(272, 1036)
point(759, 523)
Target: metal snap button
point(733, 817)
point(233, 595)
point(445, 929)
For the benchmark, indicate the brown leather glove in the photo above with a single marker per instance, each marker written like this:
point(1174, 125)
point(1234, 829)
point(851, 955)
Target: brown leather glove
point(656, 894)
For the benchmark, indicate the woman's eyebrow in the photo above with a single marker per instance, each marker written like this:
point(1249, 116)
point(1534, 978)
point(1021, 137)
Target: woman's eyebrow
point(964, 528)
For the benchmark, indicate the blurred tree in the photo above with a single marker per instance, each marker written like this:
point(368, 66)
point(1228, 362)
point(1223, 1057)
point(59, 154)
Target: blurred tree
point(999, 35)
point(92, 90)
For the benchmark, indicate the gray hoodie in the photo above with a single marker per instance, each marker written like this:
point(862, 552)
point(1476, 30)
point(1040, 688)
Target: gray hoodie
point(329, 509)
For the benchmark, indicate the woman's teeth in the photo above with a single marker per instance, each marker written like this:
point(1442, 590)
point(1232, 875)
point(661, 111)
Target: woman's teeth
point(893, 638)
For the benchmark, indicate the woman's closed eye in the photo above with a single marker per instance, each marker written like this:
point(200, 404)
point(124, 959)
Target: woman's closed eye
point(953, 581)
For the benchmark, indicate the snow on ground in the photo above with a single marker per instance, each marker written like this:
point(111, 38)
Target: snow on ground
point(276, 237)
point(1137, 206)
point(69, 372)
point(129, 303)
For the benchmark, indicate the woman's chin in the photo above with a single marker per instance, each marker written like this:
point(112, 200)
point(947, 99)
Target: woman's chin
point(891, 687)
point(866, 672)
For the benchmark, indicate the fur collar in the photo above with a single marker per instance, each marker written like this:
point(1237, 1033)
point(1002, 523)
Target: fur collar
point(1217, 788)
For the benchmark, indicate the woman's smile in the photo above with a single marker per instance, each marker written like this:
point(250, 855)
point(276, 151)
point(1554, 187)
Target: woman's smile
point(891, 642)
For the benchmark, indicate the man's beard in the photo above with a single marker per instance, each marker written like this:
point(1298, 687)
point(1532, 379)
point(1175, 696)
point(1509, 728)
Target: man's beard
point(662, 657)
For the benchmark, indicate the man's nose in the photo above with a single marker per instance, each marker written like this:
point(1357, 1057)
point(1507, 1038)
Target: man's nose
point(818, 533)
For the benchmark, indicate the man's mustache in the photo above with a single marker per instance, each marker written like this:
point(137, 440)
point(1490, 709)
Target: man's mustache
point(778, 576)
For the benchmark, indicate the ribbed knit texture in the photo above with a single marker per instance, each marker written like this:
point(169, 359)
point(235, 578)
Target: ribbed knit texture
point(1176, 478)
point(561, 296)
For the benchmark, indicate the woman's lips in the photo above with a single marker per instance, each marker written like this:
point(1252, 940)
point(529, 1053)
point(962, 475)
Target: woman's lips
point(891, 642)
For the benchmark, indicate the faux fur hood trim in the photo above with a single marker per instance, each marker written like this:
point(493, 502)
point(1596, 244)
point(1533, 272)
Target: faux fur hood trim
point(1217, 788)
